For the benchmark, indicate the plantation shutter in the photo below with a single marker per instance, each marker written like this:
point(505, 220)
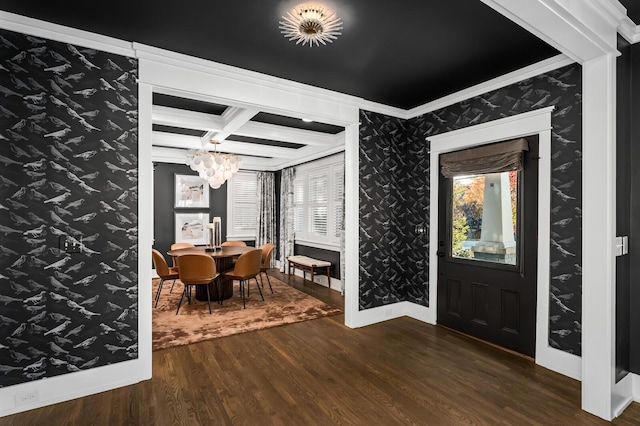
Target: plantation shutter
point(493, 158)
point(318, 211)
point(245, 190)
point(338, 195)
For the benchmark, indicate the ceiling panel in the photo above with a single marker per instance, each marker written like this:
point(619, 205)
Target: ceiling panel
point(178, 130)
point(296, 123)
point(188, 104)
point(401, 54)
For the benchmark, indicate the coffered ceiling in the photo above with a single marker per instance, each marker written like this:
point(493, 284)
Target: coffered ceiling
point(399, 54)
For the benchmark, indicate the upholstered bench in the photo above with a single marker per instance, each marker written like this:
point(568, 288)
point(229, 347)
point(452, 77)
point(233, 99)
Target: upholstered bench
point(309, 264)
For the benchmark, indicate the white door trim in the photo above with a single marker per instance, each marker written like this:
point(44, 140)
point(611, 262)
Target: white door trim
point(534, 122)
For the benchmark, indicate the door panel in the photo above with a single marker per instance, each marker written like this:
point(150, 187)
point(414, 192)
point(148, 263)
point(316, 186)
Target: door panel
point(492, 301)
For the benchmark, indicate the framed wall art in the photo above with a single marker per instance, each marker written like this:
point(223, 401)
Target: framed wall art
point(191, 228)
point(191, 191)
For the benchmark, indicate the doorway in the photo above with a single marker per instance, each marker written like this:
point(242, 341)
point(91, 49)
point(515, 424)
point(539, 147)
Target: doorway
point(487, 254)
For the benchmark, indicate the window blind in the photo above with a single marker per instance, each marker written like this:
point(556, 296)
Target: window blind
point(493, 158)
point(338, 195)
point(318, 219)
point(245, 188)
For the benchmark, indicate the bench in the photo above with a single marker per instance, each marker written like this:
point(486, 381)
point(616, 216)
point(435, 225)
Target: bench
point(309, 264)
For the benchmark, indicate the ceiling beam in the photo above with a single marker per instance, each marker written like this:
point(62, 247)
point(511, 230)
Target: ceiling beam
point(186, 142)
point(186, 119)
point(274, 132)
point(233, 118)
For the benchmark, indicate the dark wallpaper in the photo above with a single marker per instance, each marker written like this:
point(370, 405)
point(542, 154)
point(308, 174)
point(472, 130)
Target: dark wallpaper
point(394, 195)
point(68, 195)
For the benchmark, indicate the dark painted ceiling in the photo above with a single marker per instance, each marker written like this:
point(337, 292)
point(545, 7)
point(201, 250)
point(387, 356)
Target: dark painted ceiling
point(401, 54)
point(633, 9)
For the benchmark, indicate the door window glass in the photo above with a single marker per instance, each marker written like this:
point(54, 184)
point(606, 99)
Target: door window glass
point(484, 217)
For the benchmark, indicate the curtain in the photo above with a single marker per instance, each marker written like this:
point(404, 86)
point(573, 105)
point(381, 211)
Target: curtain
point(266, 209)
point(494, 158)
point(287, 229)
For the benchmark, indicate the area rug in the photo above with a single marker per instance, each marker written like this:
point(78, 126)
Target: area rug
point(194, 323)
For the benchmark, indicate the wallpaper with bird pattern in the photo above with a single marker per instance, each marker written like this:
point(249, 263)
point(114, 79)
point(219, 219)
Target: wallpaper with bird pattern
point(394, 195)
point(68, 197)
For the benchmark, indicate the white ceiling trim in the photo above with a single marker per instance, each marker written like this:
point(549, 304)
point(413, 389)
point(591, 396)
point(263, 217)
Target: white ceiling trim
point(547, 65)
point(254, 129)
point(233, 118)
point(38, 28)
point(239, 74)
point(629, 30)
point(186, 142)
point(161, 154)
point(580, 29)
point(186, 119)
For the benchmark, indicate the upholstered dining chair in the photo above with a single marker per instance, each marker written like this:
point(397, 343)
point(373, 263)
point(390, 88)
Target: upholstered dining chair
point(267, 250)
point(234, 243)
point(177, 246)
point(163, 271)
point(196, 269)
point(247, 266)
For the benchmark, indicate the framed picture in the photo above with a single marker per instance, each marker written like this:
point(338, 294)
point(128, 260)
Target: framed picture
point(191, 192)
point(191, 228)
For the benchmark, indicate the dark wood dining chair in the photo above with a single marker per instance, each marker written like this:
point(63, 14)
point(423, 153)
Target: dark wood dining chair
point(194, 270)
point(163, 271)
point(247, 266)
point(267, 250)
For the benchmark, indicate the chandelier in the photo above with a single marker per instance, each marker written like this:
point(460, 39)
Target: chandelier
point(311, 23)
point(215, 167)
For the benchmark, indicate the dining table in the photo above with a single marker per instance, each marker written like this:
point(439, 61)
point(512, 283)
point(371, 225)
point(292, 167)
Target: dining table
point(223, 256)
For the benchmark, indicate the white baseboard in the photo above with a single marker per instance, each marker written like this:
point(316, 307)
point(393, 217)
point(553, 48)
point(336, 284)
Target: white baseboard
point(561, 362)
point(391, 311)
point(635, 386)
point(73, 385)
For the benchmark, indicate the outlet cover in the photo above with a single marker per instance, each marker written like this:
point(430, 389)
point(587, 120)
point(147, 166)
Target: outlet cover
point(27, 397)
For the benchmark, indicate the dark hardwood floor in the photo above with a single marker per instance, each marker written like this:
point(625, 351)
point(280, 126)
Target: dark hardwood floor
point(320, 372)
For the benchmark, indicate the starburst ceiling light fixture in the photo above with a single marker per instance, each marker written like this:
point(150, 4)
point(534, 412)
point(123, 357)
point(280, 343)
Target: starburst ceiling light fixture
point(215, 167)
point(311, 23)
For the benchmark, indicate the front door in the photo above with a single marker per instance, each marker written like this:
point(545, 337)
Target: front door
point(488, 254)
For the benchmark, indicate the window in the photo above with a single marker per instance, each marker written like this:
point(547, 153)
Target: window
point(318, 202)
point(484, 217)
point(241, 206)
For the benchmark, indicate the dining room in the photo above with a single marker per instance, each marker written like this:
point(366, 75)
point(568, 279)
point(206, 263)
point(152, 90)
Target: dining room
point(246, 209)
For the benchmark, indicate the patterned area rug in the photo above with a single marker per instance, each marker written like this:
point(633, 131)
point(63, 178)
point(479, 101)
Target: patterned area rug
point(194, 323)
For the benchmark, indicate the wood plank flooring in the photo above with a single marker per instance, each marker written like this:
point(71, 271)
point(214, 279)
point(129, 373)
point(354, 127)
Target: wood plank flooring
point(320, 372)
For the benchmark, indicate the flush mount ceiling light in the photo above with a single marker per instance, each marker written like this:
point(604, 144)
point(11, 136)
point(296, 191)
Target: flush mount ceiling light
point(311, 23)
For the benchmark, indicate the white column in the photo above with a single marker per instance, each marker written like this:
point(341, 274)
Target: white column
point(145, 228)
point(598, 244)
point(497, 242)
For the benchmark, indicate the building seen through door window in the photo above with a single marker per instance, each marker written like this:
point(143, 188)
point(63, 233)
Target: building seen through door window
point(484, 217)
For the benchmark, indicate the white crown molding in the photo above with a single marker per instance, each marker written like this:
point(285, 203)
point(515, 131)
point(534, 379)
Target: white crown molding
point(629, 30)
point(38, 28)
point(583, 30)
point(536, 69)
point(214, 68)
point(385, 109)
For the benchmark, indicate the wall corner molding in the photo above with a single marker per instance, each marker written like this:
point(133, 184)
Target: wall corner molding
point(38, 28)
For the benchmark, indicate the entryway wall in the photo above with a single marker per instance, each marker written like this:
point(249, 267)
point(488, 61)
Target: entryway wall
point(395, 150)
